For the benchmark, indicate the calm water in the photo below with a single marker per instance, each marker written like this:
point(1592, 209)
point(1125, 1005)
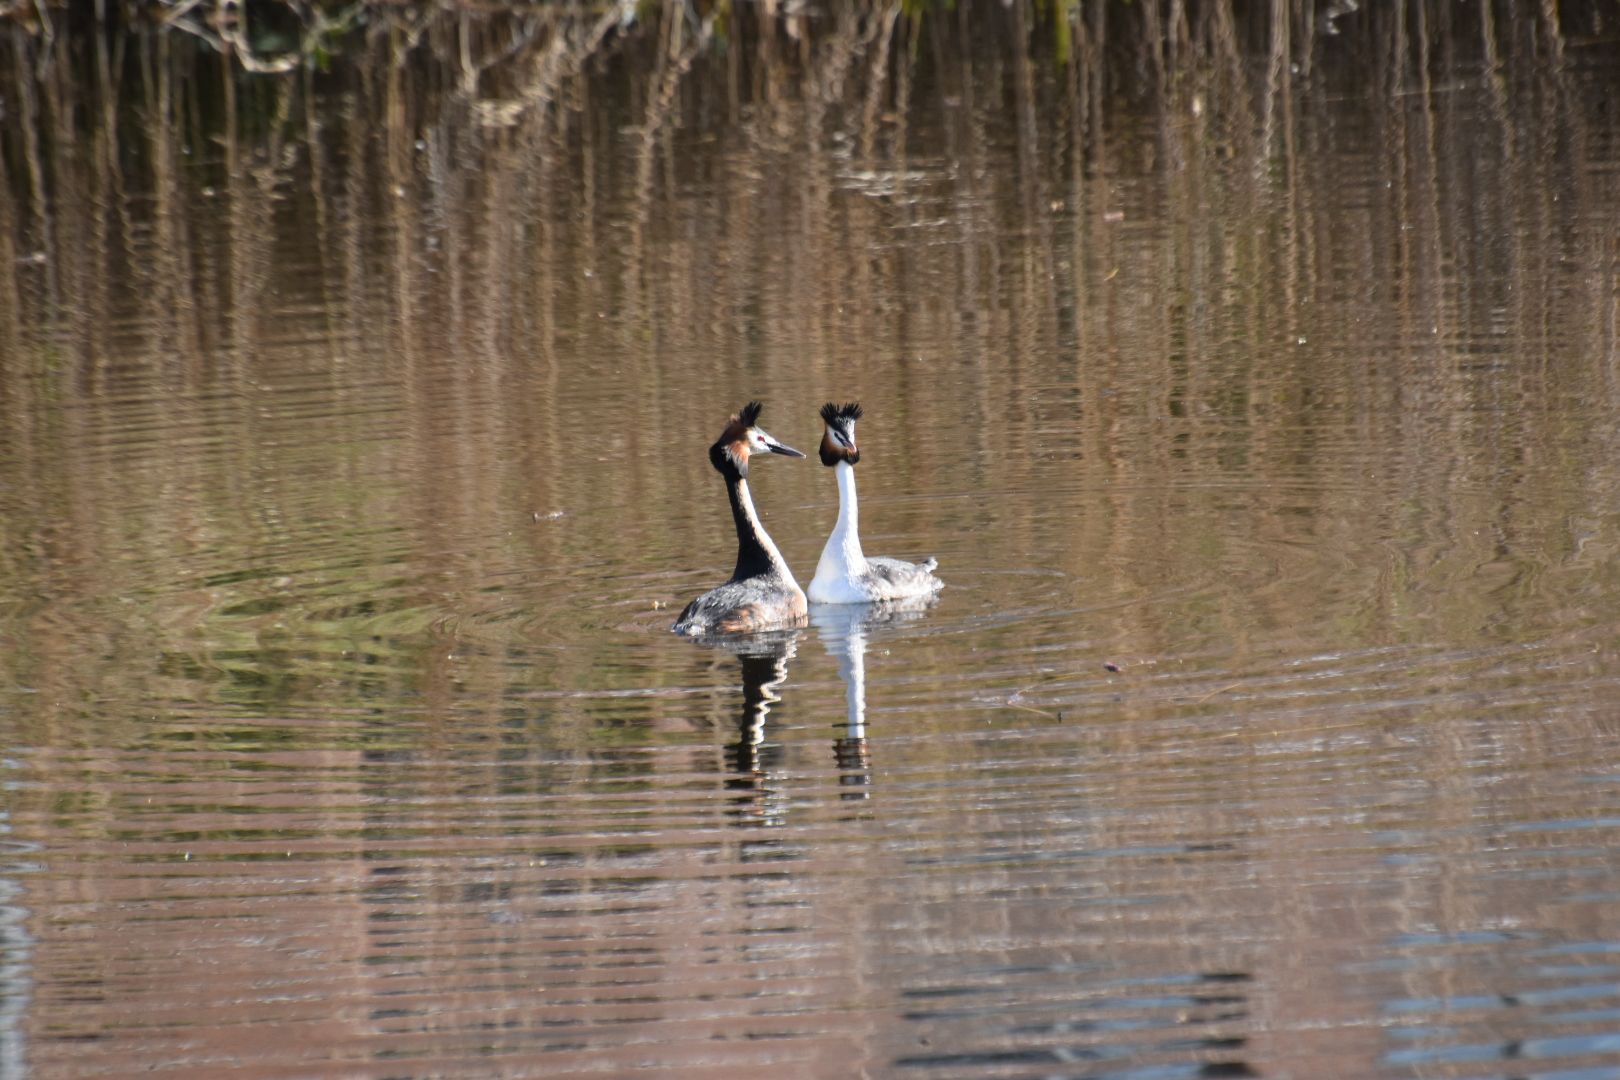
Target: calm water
point(1259, 396)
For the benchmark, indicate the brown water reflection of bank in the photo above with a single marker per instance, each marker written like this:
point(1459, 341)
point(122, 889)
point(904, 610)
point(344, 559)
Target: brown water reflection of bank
point(548, 199)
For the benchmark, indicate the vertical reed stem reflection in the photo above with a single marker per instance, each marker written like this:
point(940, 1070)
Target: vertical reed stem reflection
point(1080, 215)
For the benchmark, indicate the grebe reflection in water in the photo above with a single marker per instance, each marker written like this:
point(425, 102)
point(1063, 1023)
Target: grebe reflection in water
point(843, 629)
point(748, 760)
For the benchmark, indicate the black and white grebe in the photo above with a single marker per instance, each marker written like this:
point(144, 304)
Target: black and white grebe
point(845, 575)
point(761, 594)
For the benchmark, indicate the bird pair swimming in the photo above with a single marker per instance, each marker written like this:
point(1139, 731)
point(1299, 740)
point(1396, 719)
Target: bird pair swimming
point(762, 594)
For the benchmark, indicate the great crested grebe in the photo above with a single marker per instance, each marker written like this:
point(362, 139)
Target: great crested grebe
point(844, 575)
point(761, 594)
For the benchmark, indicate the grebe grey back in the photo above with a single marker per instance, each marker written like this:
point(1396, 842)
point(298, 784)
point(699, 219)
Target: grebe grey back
point(761, 594)
point(844, 575)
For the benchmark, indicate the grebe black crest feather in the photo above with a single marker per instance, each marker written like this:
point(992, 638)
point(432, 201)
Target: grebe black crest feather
point(748, 415)
point(837, 415)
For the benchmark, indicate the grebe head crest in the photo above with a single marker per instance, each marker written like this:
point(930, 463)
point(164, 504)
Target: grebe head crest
point(838, 441)
point(742, 439)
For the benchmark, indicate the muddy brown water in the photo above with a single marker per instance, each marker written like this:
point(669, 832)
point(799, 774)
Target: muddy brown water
point(1263, 414)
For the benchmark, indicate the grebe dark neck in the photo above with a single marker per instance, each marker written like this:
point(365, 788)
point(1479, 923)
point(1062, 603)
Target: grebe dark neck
point(756, 553)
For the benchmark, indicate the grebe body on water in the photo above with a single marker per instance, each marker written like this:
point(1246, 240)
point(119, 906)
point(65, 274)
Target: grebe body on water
point(761, 594)
point(845, 575)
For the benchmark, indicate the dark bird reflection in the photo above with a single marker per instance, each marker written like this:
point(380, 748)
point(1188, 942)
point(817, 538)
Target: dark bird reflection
point(843, 629)
point(748, 760)
point(764, 667)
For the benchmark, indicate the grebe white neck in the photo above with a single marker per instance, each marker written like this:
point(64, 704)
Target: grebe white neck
point(842, 561)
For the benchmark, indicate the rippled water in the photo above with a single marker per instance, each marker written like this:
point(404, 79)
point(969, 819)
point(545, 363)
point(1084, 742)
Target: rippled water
point(1264, 418)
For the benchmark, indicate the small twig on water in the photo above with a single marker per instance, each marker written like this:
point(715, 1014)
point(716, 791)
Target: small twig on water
point(1011, 704)
point(1217, 690)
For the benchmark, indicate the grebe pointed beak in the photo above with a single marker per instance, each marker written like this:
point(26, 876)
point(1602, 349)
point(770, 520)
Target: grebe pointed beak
point(778, 448)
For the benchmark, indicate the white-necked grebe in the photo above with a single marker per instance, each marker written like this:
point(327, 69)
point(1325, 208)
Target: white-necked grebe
point(845, 575)
point(761, 594)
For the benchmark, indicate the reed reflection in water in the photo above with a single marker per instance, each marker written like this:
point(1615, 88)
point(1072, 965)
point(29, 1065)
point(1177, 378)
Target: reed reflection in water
point(1252, 375)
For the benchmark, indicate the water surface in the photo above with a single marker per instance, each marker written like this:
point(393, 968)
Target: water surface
point(1257, 391)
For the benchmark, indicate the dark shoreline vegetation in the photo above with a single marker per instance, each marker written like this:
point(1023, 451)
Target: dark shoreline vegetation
point(226, 70)
point(278, 36)
point(518, 58)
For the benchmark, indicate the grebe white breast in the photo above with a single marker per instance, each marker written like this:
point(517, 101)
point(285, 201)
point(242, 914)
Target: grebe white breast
point(845, 575)
point(761, 594)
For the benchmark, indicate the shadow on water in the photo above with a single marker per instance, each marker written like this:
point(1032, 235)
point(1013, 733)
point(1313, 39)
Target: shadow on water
point(1117, 1025)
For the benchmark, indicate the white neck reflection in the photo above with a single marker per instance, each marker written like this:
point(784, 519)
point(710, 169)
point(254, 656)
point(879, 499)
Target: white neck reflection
point(844, 629)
